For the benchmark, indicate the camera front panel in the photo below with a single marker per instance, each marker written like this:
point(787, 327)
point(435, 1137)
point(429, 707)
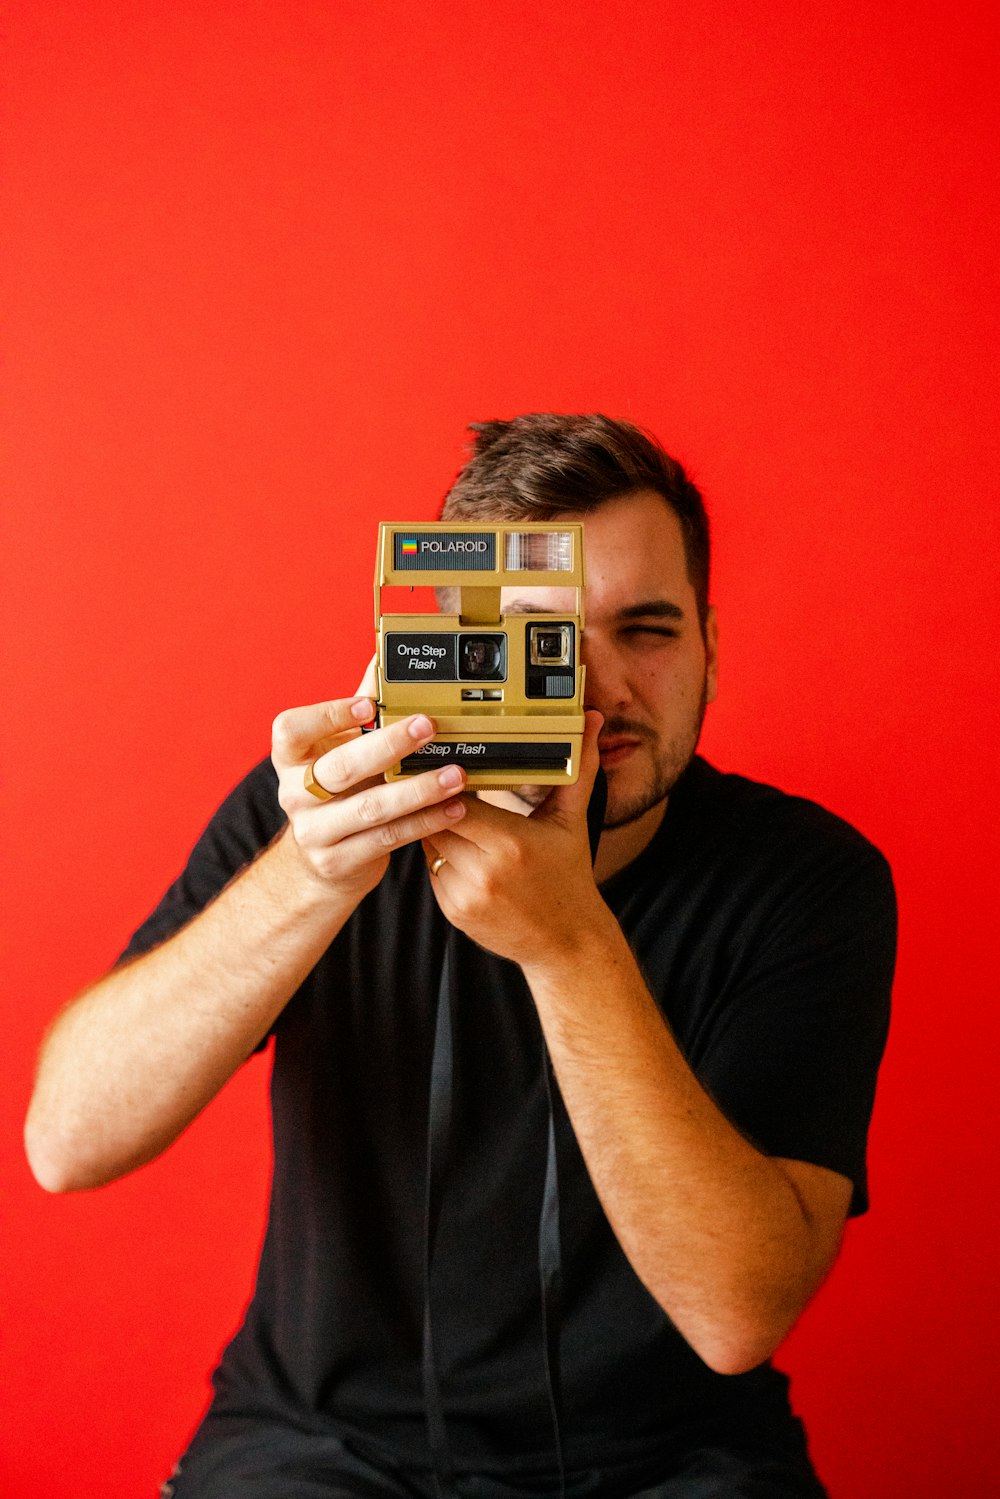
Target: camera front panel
point(505, 691)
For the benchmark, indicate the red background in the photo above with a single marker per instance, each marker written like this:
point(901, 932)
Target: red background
point(266, 261)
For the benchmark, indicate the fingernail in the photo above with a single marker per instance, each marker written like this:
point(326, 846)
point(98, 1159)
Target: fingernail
point(454, 809)
point(420, 728)
point(363, 709)
point(452, 776)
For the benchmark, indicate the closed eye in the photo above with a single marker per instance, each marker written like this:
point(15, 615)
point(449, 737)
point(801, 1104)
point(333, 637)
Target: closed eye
point(662, 630)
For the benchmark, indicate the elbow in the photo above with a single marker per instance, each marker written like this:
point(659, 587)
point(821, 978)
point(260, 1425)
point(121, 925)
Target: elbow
point(54, 1168)
point(731, 1351)
point(47, 1171)
point(735, 1358)
point(66, 1160)
point(735, 1345)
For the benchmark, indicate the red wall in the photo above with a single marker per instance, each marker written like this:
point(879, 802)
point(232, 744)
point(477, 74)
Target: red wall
point(265, 261)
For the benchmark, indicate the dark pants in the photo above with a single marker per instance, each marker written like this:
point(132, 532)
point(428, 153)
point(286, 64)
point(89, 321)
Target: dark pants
point(251, 1463)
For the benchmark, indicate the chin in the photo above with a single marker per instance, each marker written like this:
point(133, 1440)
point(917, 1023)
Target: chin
point(532, 796)
point(627, 803)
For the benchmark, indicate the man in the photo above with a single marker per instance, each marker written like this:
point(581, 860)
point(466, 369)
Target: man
point(712, 992)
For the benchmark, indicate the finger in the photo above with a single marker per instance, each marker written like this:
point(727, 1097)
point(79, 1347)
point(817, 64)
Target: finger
point(568, 803)
point(376, 804)
point(487, 827)
point(445, 877)
point(365, 755)
point(298, 733)
point(465, 859)
point(360, 849)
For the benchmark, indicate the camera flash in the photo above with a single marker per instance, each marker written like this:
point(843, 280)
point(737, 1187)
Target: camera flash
point(539, 551)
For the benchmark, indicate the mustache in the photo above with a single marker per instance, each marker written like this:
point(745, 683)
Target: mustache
point(614, 727)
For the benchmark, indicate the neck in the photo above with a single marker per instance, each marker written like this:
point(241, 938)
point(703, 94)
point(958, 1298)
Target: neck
point(619, 846)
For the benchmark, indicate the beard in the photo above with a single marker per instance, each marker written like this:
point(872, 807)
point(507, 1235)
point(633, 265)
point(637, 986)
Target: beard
point(666, 764)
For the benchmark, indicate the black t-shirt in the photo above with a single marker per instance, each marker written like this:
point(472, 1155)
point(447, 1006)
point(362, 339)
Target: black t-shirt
point(765, 929)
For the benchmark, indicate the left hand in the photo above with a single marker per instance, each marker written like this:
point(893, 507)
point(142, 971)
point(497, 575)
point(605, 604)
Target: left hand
point(523, 887)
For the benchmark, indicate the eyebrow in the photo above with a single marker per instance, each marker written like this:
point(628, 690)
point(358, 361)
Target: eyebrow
point(652, 609)
point(526, 606)
point(648, 609)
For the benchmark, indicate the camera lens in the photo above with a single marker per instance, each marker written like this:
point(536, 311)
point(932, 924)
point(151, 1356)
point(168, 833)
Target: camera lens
point(549, 644)
point(480, 656)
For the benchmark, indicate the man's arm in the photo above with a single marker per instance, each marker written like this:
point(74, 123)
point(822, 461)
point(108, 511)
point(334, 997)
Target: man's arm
point(131, 1061)
point(731, 1242)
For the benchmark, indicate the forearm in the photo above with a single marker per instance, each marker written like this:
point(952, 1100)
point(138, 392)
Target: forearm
point(714, 1229)
point(129, 1064)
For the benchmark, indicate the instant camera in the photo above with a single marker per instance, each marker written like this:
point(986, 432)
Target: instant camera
point(505, 690)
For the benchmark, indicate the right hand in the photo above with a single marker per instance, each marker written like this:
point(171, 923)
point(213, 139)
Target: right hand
point(346, 842)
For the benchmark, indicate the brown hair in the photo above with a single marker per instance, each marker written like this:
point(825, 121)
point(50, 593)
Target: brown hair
point(543, 464)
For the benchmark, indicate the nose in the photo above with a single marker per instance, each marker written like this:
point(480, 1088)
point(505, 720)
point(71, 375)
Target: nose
point(607, 688)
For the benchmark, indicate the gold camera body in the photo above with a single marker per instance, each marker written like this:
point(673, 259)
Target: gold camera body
point(506, 691)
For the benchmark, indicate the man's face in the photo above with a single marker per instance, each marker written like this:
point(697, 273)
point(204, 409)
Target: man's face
point(649, 671)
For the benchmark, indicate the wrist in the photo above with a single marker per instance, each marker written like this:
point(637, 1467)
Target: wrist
point(595, 938)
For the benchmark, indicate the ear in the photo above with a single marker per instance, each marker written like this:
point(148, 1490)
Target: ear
point(711, 655)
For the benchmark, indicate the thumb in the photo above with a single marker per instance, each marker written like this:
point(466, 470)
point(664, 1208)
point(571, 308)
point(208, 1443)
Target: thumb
point(569, 803)
point(367, 683)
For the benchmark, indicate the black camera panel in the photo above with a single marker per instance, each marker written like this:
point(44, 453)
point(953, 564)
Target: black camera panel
point(422, 656)
point(480, 754)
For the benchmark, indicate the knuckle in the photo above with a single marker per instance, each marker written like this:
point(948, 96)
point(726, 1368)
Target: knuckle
point(464, 905)
point(513, 854)
point(433, 819)
point(282, 731)
point(338, 780)
point(301, 829)
point(419, 792)
point(387, 835)
point(327, 863)
point(334, 774)
point(333, 716)
point(369, 807)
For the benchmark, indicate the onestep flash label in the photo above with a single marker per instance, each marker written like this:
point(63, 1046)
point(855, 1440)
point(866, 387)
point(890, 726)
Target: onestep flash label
point(484, 754)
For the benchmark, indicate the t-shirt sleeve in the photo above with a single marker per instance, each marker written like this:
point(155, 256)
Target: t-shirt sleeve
point(244, 824)
point(793, 1054)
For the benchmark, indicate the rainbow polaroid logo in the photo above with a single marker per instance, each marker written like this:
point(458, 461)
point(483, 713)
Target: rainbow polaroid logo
point(408, 548)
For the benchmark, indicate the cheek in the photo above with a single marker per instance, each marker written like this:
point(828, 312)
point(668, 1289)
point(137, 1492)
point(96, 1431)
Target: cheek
point(667, 675)
point(675, 684)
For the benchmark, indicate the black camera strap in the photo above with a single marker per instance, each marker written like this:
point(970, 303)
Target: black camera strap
point(550, 1272)
point(439, 1127)
point(438, 1143)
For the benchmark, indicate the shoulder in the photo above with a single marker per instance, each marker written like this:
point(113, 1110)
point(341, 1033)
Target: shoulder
point(775, 823)
point(254, 800)
point(244, 823)
point(780, 851)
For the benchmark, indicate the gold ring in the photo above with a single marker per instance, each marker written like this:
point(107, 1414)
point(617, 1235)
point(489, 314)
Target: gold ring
point(437, 863)
point(316, 788)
